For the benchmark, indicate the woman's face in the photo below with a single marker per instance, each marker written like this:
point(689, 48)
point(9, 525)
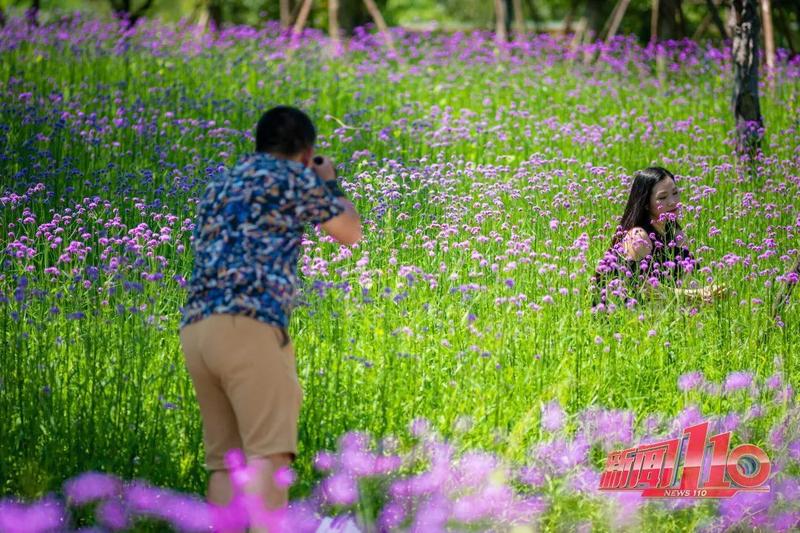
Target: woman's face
point(664, 200)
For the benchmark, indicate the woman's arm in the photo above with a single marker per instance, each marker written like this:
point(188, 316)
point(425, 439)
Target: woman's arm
point(636, 244)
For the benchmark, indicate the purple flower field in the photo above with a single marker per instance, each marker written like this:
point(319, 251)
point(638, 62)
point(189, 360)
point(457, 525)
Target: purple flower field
point(457, 373)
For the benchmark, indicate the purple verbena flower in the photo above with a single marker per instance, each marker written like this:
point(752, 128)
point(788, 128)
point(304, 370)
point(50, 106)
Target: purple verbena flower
point(91, 486)
point(737, 381)
point(691, 380)
point(552, 416)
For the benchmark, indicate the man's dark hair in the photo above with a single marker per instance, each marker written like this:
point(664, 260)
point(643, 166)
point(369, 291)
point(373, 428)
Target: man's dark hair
point(284, 130)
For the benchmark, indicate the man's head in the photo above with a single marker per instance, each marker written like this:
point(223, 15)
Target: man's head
point(286, 132)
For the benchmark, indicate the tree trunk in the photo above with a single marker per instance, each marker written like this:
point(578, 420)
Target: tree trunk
point(579, 36)
point(654, 21)
point(352, 13)
point(202, 19)
point(616, 19)
point(519, 18)
point(333, 22)
point(744, 101)
point(500, 21)
point(769, 35)
point(668, 20)
point(302, 17)
point(375, 13)
point(285, 14)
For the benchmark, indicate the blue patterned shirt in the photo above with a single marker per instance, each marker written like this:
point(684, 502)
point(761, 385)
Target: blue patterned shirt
point(246, 241)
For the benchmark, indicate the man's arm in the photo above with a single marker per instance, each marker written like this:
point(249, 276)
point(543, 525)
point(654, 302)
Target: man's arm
point(345, 228)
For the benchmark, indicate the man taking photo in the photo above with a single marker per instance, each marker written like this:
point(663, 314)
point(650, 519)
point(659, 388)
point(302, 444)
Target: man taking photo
point(246, 242)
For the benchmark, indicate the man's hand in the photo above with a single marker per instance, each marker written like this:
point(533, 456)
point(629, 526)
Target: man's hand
point(323, 166)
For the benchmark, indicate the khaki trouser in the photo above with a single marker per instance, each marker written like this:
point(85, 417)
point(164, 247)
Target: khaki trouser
point(246, 385)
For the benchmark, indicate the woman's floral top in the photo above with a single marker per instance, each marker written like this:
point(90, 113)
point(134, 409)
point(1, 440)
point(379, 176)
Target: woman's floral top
point(621, 277)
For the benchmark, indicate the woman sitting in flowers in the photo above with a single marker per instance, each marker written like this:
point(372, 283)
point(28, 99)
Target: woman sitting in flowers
point(649, 249)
